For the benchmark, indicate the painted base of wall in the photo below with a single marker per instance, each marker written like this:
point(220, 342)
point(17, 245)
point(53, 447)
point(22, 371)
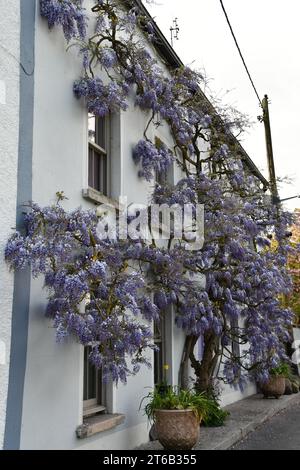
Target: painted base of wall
point(230, 395)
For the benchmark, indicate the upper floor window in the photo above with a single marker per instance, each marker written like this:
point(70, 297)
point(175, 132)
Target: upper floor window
point(161, 177)
point(165, 176)
point(98, 165)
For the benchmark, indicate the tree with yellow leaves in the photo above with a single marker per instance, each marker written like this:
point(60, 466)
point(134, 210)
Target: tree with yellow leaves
point(294, 269)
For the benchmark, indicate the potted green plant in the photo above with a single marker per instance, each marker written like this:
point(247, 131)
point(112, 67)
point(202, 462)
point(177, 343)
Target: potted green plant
point(177, 415)
point(275, 386)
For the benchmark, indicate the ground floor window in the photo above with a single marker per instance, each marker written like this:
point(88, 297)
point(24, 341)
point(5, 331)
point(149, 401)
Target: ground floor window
point(160, 354)
point(93, 387)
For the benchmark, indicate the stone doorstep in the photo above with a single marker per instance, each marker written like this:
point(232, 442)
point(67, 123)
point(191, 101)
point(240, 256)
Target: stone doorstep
point(99, 423)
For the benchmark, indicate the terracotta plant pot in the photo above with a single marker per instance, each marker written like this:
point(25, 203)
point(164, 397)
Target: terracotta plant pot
point(177, 429)
point(275, 387)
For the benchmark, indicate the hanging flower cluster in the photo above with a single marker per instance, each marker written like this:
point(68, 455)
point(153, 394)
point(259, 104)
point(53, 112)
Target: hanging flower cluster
point(152, 158)
point(227, 292)
point(101, 99)
point(67, 13)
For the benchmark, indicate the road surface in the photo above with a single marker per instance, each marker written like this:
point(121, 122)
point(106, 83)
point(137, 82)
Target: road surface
point(282, 432)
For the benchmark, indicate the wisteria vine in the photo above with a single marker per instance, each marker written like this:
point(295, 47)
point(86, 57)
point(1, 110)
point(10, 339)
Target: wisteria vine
point(105, 292)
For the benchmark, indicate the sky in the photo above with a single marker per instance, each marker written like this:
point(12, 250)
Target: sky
point(268, 33)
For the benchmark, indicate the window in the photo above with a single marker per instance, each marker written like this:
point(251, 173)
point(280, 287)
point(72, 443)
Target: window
point(160, 354)
point(98, 153)
point(93, 390)
point(166, 176)
point(161, 177)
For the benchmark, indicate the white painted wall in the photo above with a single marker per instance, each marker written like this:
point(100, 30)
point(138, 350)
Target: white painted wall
point(296, 357)
point(54, 376)
point(9, 140)
point(231, 395)
point(52, 405)
point(53, 380)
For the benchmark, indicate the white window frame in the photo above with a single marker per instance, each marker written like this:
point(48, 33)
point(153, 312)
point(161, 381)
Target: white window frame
point(104, 152)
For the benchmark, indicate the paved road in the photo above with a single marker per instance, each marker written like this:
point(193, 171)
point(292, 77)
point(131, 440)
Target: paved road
point(282, 432)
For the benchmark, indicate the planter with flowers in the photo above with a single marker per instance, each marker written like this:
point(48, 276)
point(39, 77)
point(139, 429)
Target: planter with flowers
point(177, 415)
point(275, 386)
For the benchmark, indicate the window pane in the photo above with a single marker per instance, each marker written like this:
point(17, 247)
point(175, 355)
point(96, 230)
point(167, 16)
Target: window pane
point(158, 365)
point(99, 385)
point(92, 391)
point(96, 172)
point(100, 132)
point(161, 177)
point(103, 174)
point(85, 375)
point(159, 356)
point(157, 330)
point(91, 167)
point(92, 127)
point(97, 164)
point(89, 377)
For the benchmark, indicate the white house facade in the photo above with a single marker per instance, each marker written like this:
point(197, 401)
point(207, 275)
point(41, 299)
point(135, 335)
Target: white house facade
point(50, 398)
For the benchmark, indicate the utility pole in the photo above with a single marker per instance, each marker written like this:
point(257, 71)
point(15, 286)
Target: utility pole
point(174, 31)
point(270, 155)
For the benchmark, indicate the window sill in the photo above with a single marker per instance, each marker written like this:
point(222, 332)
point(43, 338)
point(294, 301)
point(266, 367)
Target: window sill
point(99, 198)
point(99, 423)
point(92, 410)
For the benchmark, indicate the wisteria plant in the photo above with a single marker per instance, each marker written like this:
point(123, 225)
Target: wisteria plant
point(105, 292)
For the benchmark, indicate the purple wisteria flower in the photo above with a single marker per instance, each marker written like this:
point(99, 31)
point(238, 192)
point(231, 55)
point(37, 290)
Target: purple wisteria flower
point(152, 158)
point(101, 99)
point(69, 14)
point(107, 57)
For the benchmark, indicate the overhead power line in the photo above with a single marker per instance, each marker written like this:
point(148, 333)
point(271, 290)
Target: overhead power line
point(240, 52)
